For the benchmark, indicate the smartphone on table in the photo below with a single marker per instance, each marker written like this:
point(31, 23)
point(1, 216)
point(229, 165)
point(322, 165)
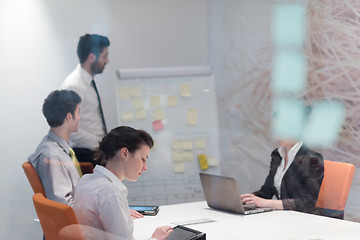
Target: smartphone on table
point(145, 210)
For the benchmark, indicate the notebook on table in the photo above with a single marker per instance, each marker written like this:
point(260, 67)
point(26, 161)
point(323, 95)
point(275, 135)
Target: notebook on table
point(223, 193)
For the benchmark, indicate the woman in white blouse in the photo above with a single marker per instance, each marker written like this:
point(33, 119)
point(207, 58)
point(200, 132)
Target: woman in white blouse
point(295, 176)
point(101, 198)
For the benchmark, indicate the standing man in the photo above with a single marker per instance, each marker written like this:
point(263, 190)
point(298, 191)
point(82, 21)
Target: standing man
point(53, 160)
point(93, 52)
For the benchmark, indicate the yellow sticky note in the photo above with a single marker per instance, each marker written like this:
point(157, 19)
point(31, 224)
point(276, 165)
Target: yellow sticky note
point(176, 144)
point(185, 90)
point(177, 156)
point(200, 144)
point(188, 156)
point(187, 144)
point(191, 118)
point(138, 102)
point(155, 101)
point(173, 101)
point(140, 114)
point(123, 93)
point(203, 163)
point(213, 161)
point(155, 146)
point(136, 91)
point(179, 167)
point(127, 116)
point(159, 115)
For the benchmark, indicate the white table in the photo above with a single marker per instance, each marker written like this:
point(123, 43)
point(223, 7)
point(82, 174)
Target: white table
point(270, 225)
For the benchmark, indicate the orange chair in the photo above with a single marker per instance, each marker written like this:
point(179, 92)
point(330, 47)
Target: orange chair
point(86, 167)
point(33, 178)
point(35, 181)
point(335, 188)
point(54, 216)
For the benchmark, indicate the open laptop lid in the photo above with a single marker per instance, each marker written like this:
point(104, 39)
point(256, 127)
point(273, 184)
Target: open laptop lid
point(222, 193)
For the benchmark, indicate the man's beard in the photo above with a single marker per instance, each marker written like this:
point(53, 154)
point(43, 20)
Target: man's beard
point(97, 68)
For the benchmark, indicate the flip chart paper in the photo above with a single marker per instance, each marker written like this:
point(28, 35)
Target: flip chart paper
point(200, 144)
point(136, 91)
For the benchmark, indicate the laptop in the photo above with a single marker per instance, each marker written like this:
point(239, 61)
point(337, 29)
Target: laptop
point(223, 193)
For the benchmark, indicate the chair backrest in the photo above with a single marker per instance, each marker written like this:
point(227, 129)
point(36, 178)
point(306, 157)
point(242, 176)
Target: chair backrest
point(336, 185)
point(53, 216)
point(33, 178)
point(86, 167)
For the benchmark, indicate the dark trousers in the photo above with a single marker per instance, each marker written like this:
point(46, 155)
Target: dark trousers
point(84, 155)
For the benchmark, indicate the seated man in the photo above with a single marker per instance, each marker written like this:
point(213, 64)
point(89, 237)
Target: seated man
point(54, 160)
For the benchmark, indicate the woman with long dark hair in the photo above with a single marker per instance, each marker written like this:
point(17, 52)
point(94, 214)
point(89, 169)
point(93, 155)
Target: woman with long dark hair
point(101, 198)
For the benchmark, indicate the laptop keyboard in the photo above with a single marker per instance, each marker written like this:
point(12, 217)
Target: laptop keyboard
point(249, 207)
point(254, 211)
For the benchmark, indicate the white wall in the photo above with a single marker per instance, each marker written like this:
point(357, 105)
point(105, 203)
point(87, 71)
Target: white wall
point(38, 43)
point(238, 29)
point(155, 34)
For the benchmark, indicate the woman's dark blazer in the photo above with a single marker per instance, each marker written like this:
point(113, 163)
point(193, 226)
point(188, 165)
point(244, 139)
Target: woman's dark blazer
point(301, 183)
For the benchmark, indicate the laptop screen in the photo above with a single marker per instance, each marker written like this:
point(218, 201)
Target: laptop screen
point(222, 193)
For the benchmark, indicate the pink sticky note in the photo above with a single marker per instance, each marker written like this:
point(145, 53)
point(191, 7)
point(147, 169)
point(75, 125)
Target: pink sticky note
point(157, 125)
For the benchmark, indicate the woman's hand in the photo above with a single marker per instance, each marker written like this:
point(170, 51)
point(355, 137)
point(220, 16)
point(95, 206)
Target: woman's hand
point(162, 233)
point(135, 214)
point(250, 198)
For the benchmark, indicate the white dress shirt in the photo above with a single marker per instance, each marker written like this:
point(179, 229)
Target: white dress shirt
point(280, 172)
point(55, 168)
point(90, 127)
point(101, 202)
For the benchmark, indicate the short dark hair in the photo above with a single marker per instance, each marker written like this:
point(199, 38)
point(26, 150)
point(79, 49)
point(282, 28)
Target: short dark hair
point(118, 138)
point(91, 43)
point(58, 104)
